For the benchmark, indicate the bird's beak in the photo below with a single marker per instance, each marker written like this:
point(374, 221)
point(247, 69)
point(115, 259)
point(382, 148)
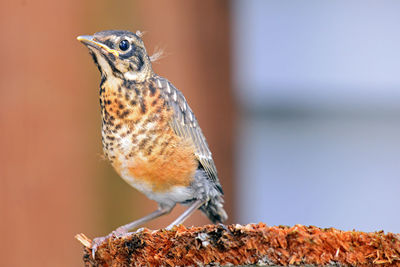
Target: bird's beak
point(88, 40)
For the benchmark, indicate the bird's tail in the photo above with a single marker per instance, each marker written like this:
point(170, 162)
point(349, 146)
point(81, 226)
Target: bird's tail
point(214, 209)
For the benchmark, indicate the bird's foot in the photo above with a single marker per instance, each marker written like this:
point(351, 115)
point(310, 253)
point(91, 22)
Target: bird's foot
point(96, 242)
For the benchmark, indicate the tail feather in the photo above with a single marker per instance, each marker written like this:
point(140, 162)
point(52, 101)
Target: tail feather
point(214, 210)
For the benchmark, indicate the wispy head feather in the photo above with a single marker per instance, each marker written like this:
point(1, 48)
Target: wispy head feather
point(158, 54)
point(140, 33)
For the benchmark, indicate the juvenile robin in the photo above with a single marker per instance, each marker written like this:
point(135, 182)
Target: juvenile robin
point(149, 133)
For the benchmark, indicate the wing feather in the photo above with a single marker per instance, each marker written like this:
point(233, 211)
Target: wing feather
point(185, 125)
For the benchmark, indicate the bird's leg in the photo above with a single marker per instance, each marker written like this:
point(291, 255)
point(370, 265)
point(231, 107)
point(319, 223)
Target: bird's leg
point(197, 204)
point(120, 231)
point(162, 210)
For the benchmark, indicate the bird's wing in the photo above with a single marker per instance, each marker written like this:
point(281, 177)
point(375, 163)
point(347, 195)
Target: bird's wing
point(184, 124)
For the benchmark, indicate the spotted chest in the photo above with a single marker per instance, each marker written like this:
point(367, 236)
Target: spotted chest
point(138, 140)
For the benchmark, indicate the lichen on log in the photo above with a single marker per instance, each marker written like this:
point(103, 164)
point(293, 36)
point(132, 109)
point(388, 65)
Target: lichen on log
point(252, 244)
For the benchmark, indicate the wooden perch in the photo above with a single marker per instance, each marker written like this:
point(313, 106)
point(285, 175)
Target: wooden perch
point(245, 245)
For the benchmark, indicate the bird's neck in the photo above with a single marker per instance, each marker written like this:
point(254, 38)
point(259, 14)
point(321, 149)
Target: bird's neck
point(117, 96)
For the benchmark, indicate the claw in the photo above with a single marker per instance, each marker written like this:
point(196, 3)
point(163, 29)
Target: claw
point(96, 243)
point(120, 231)
point(139, 230)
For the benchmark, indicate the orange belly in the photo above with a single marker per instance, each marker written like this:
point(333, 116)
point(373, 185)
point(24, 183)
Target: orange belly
point(162, 172)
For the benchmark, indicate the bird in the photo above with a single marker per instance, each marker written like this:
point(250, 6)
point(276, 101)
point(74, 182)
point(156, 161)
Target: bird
point(150, 135)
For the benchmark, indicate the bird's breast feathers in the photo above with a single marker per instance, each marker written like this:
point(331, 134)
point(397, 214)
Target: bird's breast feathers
point(140, 143)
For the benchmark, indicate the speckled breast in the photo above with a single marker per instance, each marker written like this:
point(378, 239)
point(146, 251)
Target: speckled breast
point(138, 140)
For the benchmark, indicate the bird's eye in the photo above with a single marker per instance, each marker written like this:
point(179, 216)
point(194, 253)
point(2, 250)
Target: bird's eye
point(124, 45)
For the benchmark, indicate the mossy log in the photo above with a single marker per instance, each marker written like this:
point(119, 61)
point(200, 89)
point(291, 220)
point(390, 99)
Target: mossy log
point(252, 244)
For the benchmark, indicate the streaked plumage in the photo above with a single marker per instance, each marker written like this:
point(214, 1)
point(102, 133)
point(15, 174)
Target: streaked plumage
point(185, 124)
point(149, 133)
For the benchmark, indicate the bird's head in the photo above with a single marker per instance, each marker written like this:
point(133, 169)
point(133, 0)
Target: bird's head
point(119, 53)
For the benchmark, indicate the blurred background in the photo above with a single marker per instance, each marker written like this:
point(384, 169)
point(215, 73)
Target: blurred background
point(299, 102)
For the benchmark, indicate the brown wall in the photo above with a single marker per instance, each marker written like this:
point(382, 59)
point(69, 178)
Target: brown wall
point(53, 182)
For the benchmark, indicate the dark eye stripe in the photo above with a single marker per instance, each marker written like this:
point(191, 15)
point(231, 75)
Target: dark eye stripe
point(128, 54)
point(109, 43)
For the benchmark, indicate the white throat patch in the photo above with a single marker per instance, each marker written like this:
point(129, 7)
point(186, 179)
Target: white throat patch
point(135, 76)
point(102, 62)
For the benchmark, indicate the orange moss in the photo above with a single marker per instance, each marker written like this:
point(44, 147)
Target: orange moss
point(250, 244)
